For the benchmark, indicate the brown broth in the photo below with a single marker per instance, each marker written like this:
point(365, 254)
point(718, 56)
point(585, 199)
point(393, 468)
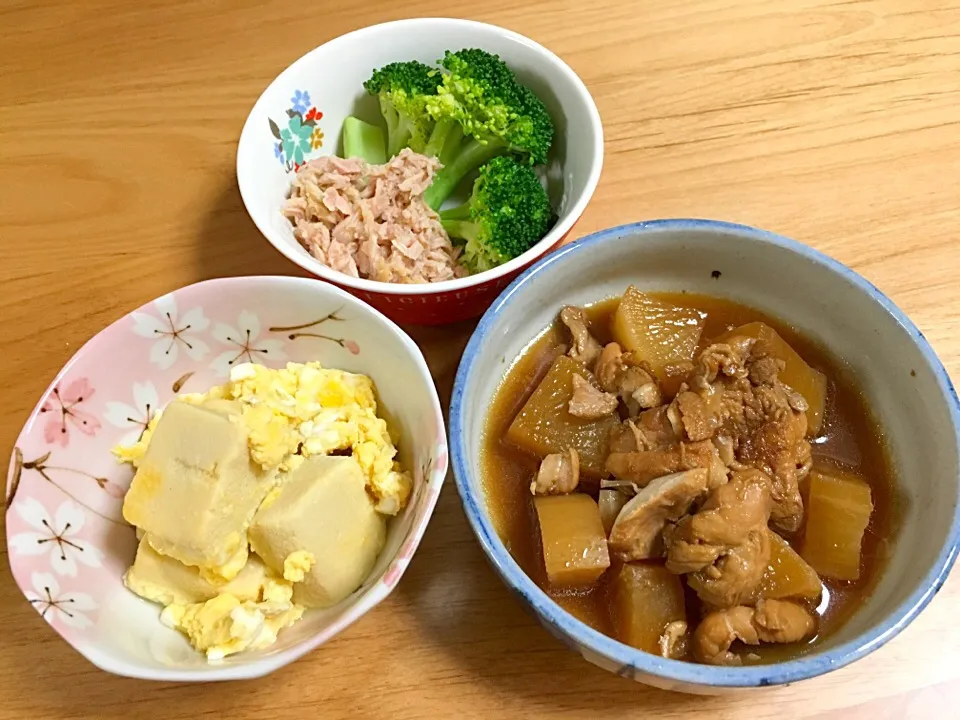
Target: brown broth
point(849, 437)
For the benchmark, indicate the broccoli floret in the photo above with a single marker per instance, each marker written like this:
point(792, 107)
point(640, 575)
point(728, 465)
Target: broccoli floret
point(403, 88)
point(506, 215)
point(482, 111)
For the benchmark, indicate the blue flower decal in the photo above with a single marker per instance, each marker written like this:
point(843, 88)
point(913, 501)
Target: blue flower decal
point(302, 134)
point(300, 101)
point(295, 139)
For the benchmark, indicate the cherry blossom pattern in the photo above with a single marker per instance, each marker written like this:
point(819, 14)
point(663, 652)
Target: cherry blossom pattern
point(181, 381)
point(56, 606)
point(245, 344)
point(425, 467)
point(55, 536)
point(441, 456)
point(393, 574)
point(61, 411)
point(41, 466)
point(420, 506)
point(172, 332)
point(297, 331)
point(134, 418)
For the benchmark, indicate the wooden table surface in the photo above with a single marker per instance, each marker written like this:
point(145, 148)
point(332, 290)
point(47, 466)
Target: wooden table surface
point(833, 122)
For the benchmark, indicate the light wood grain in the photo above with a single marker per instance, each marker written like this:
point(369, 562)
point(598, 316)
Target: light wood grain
point(836, 123)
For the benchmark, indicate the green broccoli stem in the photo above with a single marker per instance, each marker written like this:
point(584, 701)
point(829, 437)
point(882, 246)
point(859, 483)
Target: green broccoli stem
point(394, 130)
point(415, 143)
point(362, 140)
point(451, 145)
point(467, 233)
point(461, 212)
point(405, 136)
point(398, 139)
point(469, 156)
point(463, 229)
point(438, 138)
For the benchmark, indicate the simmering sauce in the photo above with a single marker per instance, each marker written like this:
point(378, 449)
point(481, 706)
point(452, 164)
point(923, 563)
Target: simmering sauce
point(849, 438)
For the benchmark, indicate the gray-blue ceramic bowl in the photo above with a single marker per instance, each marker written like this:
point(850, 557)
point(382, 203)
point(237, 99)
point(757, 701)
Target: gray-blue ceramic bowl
point(904, 383)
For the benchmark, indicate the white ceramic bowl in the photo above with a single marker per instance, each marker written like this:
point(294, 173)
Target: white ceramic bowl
point(329, 80)
point(68, 544)
point(905, 385)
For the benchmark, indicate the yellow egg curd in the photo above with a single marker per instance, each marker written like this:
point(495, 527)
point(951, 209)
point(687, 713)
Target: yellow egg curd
point(294, 461)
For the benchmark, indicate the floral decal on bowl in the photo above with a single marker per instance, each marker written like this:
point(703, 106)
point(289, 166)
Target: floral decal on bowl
point(171, 333)
point(134, 418)
point(62, 411)
point(301, 136)
point(298, 331)
point(55, 606)
point(42, 467)
point(56, 536)
point(245, 344)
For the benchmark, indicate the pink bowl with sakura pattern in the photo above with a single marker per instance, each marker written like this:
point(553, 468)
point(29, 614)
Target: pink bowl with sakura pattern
point(68, 544)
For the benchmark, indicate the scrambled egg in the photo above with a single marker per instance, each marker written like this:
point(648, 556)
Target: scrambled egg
point(297, 565)
point(231, 568)
point(226, 624)
point(288, 415)
point(304, 410)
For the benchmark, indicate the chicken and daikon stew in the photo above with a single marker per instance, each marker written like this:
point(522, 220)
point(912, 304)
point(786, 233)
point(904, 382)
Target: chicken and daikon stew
point(690, 477)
